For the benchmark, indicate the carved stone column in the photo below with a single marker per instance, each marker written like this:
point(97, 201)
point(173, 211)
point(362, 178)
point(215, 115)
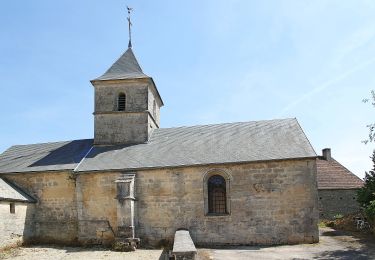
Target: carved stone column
point(125, 237)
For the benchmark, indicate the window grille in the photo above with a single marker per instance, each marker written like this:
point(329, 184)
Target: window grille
point(121, 102)
point(217, 200)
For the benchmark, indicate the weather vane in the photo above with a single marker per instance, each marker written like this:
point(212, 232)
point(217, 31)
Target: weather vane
point(130, 25)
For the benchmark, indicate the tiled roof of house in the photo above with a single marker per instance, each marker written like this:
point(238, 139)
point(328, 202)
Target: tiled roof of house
point(169, 147)
point(333, 175)
point(10, 192)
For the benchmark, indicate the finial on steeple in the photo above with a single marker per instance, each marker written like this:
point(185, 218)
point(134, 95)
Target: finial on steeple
point(130, 25)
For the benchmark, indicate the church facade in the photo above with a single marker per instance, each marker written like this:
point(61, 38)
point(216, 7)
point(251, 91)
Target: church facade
point(228, 184)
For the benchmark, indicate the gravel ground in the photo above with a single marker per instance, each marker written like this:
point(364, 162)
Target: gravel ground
point(333, 245)
point(68, 253)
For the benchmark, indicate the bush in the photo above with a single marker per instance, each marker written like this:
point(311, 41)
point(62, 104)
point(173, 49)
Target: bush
point(366, 194)
point(370, 211)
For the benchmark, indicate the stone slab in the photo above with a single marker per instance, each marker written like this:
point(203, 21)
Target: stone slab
point(183, 246)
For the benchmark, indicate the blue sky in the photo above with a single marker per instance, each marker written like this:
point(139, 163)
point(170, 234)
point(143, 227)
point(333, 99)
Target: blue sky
point(213, 62)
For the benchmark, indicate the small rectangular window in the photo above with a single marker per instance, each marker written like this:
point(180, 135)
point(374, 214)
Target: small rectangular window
point(12, 208)
point(121, 101)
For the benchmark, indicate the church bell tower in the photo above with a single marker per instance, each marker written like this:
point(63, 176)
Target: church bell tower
point(127, 103)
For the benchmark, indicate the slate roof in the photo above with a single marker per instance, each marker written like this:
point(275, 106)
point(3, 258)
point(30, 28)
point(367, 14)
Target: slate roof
point(44, 156)
point(10, 192)
point(126, 67)
point(333, 175)
point(169, 147)
point(206, 144)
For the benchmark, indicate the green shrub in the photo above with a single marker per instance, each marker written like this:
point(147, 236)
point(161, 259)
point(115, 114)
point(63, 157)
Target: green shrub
point(338, 216)
point(366, 194)
point(370, 211)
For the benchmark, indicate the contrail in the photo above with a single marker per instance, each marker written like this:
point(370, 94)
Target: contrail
point(325, 85)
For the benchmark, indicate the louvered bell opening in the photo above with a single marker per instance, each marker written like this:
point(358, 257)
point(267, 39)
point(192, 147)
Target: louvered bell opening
point(121, 102)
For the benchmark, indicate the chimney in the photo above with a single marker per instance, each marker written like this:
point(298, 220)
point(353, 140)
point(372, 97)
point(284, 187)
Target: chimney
point(327, 154)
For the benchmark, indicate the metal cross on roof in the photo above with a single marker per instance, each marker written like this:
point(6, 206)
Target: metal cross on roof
point(130, 24)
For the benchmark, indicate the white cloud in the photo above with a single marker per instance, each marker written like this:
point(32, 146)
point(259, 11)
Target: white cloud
point(319, 88)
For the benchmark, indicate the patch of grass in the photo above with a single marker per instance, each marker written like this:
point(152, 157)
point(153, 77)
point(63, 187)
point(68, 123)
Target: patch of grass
point(338, 216)
point(322, 224)
point(326, 223)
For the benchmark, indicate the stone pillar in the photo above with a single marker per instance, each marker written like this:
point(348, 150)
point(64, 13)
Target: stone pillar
point(125, 236)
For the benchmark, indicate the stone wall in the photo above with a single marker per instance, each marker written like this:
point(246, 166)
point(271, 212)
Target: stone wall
point(96, 205)
point(270, 203)
point(154, 111)
point(106, 94)
point(53, 219)
point(12, 225)
point(132, 125)
point(121, 128)
point(333, 202)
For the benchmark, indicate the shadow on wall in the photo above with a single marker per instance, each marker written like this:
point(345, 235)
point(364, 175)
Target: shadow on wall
point(29, 227)
point(41, 226)
point(39, 230)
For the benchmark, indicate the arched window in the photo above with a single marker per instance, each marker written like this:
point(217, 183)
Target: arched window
point(217, 199)
point(121, 101)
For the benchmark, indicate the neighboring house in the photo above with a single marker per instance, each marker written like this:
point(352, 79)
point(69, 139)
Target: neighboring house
point(15, 205)
point(228, 184)
point(337, 187)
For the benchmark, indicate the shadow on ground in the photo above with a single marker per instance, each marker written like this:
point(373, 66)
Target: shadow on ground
point(334, 244)
point(363, 245)
point(70, 249)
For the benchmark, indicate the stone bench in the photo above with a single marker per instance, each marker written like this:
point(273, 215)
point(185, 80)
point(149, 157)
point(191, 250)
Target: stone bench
point(183, 246)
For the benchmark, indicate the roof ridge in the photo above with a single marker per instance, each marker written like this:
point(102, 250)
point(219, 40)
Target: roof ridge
point(50, 142)
point(83, 158)
point(229, 123)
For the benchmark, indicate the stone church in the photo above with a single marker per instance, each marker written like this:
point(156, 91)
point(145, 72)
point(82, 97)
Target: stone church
point(249, 183)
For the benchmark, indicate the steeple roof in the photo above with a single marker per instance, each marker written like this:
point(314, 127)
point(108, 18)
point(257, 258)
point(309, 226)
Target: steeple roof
point(126, 67)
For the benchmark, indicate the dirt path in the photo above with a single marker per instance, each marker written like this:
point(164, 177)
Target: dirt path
point(333, 245)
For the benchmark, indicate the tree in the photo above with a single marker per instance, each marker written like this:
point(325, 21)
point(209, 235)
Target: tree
point(366, 194)
point(371, 126)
